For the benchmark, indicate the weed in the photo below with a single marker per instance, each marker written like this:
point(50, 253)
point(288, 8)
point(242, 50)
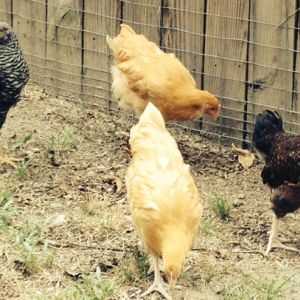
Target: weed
point(26, 241)
point(207, 226)
point(83, 103)
point(274, 288)
point(92, 287)
point(142, 262)
point(128, 275)
point(63, 142)
point(107, 223)
point(222, 208)
point(90, 207)
point(22, 171)
point(6, 210)
point(22, 142)
point(248, 288)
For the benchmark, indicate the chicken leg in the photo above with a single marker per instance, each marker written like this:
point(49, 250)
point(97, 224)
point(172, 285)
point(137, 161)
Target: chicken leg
point(274, 241)
point(7, 160)
point(158, 284)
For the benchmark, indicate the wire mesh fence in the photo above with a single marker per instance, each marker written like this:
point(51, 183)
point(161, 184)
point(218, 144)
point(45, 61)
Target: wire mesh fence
point(246, 52)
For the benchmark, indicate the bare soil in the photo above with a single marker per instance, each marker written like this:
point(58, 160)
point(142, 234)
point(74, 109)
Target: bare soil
point(69, 219)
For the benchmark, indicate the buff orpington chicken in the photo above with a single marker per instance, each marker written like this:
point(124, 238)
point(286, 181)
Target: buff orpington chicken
point(143, 73)
point(164, 201)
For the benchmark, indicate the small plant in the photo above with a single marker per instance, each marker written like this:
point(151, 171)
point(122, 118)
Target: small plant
point(63, 142)
point(92, 287)
point(22, 142)
point(90, 207)
point(6, 210)
point(142, 262)
point(82, 103)
point(222, 208)
point(108, 223)
point(22, 171)
point(127, 274)
point(207, 226)
point(274, 288)
point(33, 254)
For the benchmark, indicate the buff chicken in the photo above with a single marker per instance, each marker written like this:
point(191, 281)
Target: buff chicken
point(164, 201)
point(143, 73)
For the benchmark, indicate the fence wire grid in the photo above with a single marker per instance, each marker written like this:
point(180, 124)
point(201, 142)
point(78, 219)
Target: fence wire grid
point(246, 52)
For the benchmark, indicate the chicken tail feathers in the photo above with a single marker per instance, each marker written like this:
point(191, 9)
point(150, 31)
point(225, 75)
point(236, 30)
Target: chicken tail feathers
point(111, 43)
point(267, 123)
point(126, 30)
point(153, 116)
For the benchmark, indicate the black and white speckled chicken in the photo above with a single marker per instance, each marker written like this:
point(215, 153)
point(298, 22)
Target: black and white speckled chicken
point(14, 74)
point(281, 152)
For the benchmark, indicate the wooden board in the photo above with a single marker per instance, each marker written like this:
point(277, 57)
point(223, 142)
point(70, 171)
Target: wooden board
point(271, 58)
point(294, 117)
point(183, 33)
point(144, 17)
point(38, 41)
point(64, 47)
point(225, 64)
point(101, 18)
point(5, 11)
point(22, 26)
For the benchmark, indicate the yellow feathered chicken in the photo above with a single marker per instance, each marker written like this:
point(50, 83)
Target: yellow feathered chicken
point(143, 73)
point(164, 200)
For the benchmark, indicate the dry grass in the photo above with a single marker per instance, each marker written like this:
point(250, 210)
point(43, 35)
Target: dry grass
point(66, 232)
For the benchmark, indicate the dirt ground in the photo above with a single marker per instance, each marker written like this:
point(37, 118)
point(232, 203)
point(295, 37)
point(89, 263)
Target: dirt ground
point(66, 231)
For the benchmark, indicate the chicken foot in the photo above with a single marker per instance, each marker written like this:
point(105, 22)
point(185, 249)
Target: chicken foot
point(158, 285)
point(274, 241)
point(7, 160)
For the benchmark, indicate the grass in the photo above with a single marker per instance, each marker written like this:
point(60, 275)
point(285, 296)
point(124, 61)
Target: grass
point(32, 268)
point(263, 289)
point(22, 237)
point(142, 262)
point(64, 141)
point(91, 287)
point(222, 208)
point(6, 209)
point(22, 142)
point(207, 226)
point(29, 247)
point(22, 171)
point(274, 288)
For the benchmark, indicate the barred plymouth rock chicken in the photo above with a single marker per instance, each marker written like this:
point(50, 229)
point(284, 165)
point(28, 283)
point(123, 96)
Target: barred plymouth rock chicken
point(14, 74)
point(281, 152)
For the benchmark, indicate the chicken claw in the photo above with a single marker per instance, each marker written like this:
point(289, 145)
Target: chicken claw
point(8, 160)
point(274, 241)
point(158, 284)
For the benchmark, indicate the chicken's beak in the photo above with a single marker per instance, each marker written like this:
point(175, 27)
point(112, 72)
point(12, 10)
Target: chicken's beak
point(218, 112)
point(172, 281)
point(214, 113)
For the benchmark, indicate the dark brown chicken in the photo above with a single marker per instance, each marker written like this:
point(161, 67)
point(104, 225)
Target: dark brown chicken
point(281, 152)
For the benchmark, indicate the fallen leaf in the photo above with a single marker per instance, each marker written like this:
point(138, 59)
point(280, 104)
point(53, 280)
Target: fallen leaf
point(245, 157)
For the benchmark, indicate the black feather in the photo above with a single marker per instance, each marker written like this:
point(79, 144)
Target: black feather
point(14, 71)
point(285, 199)
point(267, 123)
point(280, 150)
